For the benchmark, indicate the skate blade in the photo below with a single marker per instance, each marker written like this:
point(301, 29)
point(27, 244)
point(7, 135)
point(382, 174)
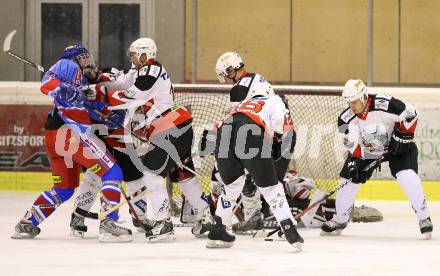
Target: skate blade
point(76, 234)
point(22, 236)
point(330, 234)
point(140, 230)
point(218, 244)
point(168, 237)
point(427, 236)
point(201, 236)
point(297, 247)
point(110, 238)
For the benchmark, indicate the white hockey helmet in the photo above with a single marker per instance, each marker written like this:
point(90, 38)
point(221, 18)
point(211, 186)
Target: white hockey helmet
point(263, 89)
point(355, 89)
point(226, 64)
point(143, 45)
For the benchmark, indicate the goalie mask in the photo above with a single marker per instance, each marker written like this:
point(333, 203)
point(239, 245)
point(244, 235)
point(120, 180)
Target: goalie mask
point(354, 90)
point(227, 65)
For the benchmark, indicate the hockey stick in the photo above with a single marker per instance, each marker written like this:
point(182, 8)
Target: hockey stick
point(127, 199)
point(7, 50)
point(264, 234)
point(130, 206)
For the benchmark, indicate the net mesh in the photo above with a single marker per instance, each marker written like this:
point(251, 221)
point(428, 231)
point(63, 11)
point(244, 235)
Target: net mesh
point(318, 152)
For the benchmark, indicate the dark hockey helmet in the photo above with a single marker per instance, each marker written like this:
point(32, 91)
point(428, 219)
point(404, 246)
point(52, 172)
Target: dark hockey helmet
point(79, 54)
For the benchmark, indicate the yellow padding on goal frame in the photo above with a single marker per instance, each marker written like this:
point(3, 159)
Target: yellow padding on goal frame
point(372, 190)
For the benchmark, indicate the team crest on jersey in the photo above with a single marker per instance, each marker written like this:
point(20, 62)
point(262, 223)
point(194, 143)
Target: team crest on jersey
point(381, 104)
point(246, 81)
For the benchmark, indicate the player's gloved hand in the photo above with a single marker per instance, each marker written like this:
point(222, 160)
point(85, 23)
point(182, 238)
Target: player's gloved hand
point(400, 142)
point(90, 71)
point(207, 143)
point(70, 94)
point(89, 94)
point(109, 75)
point(356, 174)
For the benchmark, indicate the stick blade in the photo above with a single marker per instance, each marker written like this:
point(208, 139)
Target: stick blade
point(8, 40)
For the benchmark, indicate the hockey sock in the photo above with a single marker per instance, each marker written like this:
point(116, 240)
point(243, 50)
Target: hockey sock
point(87, 191)
point(111, 191)
point(227, 199)
point(158, 195)
point(46, 203)
point(276, 198)
point(138, 202)
point(412, 186)
point(192, 190)
point(345, 200)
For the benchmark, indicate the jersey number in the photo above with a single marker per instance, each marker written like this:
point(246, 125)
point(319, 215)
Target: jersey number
point(251, 106)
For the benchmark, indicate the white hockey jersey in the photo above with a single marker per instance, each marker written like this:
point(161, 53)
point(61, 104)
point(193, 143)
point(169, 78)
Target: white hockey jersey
point(239, 92)
point(149, 88)
point(270, 113)
point(369, 133)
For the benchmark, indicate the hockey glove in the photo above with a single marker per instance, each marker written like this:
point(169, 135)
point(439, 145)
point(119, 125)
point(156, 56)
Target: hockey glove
point(70, 94)
point(207, 143)
point(356, 174)
point(400, 142)
point(89, 94)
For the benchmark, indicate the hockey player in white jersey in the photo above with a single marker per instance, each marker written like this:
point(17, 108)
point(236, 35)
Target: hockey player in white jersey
point(244, 143)
point(231, 69)
point(376, 125)
point(146, 93)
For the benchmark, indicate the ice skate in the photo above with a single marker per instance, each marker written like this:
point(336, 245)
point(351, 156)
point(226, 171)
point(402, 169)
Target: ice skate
point(426, 228)
point(203, 226)
point(111, 232)
point(145, 225)
point(332, 228)
point(77, 226)
point(162, 231)
point(218, 237)
point(254, 223)
point(292, 235)
point(25, 230)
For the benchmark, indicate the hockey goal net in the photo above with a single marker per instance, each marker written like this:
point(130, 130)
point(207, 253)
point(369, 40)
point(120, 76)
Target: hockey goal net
point(318, 152)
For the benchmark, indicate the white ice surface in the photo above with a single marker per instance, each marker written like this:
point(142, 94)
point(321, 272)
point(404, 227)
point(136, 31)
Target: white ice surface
point(391, 247)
